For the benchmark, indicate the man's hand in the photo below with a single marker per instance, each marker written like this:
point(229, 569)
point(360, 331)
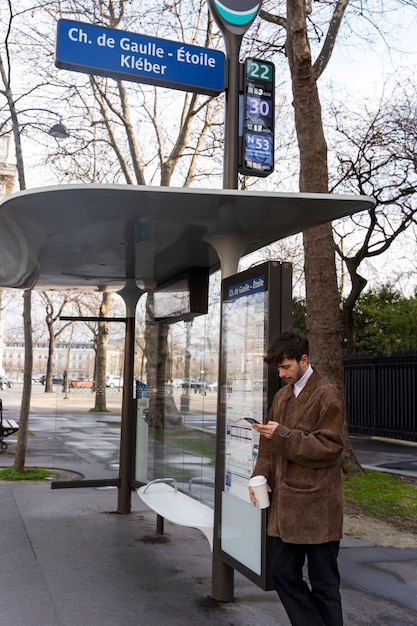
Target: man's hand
point(266, 430)
point(252, 494)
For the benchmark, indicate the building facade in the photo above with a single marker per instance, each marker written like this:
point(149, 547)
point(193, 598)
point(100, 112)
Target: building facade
point(76, 358)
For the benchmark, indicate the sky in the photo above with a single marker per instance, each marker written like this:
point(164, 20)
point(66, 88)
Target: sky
point(363, 69)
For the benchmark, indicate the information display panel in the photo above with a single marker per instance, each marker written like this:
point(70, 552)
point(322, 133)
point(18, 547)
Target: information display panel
point(257, 142)
point(183, 297)
point(256, 307)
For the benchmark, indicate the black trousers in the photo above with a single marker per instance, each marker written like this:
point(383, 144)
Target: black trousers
point(318, 604)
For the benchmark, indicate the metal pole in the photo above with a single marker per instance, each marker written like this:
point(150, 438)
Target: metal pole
point(231, 122)
point(130, 294)
point(222, 573)
point(127, 423)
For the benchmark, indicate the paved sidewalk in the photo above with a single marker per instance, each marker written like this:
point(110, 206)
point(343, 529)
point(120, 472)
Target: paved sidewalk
point(68, 558)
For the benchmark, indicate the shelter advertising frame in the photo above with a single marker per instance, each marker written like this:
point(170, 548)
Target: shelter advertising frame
point(256, 307)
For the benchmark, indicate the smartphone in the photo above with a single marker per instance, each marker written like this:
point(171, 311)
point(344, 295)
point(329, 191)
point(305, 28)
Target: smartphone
point(251, 420)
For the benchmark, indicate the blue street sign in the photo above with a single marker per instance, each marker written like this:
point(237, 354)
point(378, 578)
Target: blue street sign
point(128, 56)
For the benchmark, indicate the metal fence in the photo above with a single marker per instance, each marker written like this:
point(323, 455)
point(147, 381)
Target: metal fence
point(381, 395)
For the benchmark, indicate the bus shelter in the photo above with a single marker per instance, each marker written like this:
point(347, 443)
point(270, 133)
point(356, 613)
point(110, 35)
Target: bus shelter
point(133, 239)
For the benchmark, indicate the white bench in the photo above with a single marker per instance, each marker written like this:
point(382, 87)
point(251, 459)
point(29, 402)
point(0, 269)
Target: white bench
point(177, 507)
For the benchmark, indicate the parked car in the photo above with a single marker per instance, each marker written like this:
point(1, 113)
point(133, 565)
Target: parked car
point(36, 378)
point(114, 381)
point(82, 383)
point(193, 385)
point(5, 383)
point(211, 385)
point(57, 379)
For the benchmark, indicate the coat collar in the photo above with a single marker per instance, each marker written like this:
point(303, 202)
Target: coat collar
point(288, 390)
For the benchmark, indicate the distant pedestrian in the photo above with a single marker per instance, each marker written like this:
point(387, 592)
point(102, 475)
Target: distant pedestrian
point(300, 455)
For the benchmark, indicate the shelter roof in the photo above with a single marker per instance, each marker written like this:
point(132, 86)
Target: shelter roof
point(90, 236)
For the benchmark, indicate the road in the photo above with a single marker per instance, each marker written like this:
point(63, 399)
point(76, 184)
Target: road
point(65, 430)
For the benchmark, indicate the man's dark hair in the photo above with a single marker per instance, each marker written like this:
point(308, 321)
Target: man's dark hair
point(289, 345)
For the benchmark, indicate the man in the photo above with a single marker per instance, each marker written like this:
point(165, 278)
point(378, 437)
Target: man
point(300, 454)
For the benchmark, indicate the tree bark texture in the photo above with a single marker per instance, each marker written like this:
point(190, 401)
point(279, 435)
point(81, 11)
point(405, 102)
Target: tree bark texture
point(51, 351)
point(101, 354)
point(20, 456)
point(322, 294)
point(163, 412)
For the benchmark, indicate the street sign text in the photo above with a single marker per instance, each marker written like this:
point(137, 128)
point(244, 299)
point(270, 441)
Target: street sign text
point(122, 55)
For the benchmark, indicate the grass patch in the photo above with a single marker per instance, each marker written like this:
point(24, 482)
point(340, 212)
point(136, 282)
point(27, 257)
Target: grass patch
point(188, 439)
point(111, 424)
point(202, 448)
point(386, 497)
point(29, 473)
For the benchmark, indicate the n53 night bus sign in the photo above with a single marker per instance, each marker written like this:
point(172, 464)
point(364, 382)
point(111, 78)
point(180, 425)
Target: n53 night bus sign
point(257, 144)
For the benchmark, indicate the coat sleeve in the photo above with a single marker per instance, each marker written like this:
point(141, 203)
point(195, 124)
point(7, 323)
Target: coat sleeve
point(315, 445)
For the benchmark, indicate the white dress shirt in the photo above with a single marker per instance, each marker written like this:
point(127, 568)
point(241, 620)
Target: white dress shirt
point(300, 384)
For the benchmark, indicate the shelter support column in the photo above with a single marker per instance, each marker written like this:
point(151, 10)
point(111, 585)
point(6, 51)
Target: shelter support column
point(130, 294)
point(229, 247)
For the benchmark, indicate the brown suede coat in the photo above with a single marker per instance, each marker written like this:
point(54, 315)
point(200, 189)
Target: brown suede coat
point(302, 462)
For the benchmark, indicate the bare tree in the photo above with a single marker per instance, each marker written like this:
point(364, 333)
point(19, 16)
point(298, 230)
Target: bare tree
point(116, 110)
point(125, 131)
point(7, 178)
point(322, 297)
point(88, 305)
point(7, 93)
point(54, 303)
point(318, 26)
point(377, 157)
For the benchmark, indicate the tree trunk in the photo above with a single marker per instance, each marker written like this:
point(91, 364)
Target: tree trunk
point(49, 320)
point(322, 295)
point(350, 464)
point(358, 285)
point(51, 358)
point(101, 353)
point(163, 411)
point(20, 457)
point(322, 304)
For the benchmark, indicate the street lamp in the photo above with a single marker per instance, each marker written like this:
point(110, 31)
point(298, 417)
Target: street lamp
point(59, 131)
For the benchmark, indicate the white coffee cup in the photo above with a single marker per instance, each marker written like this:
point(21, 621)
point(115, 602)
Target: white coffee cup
point(259, 485)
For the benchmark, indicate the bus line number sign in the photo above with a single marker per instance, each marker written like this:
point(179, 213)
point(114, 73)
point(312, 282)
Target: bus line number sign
point(258, 116)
